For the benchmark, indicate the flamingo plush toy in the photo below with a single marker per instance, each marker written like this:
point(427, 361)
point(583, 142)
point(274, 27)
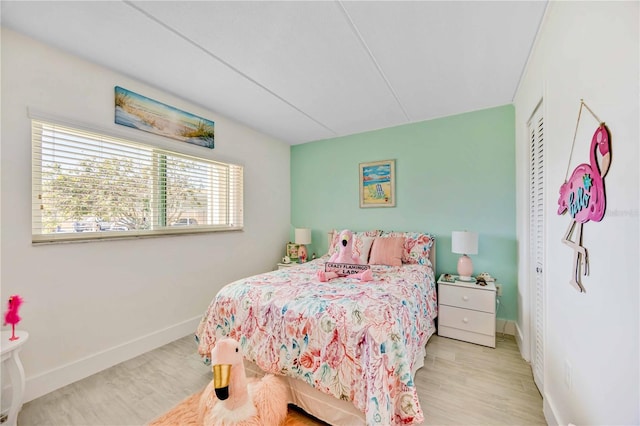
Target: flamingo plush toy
point(345, 255)
point(232, 400)
point(583, 196)
point(11, 316)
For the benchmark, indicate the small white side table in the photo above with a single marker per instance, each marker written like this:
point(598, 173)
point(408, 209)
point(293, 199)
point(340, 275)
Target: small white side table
point(286, 265)
point(10, 350)
point(467, 311)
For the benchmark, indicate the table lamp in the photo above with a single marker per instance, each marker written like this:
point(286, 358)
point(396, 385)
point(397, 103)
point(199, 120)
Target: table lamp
point(464, 243)
point(303, 236)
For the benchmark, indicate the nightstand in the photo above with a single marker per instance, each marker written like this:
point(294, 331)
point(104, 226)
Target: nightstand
point(286, 265)
point(467, 311)
point(10, 350)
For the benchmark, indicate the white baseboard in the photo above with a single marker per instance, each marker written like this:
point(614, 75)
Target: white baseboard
point(524, 348)
point(56, 378)
point(507, 325)
point(550, 414)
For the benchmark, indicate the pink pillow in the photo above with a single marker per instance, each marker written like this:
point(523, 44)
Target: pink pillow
point(417, 246)
point(387, 251)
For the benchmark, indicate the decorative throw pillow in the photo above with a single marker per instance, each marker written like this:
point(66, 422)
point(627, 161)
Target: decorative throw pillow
point(387, 251)
point(417, 246)
point(362, 248)
point(357, 242)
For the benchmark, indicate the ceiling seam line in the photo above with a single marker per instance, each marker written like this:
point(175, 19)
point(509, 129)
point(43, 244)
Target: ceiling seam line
point(373, 59)
point(228, 65)
point(534, 43)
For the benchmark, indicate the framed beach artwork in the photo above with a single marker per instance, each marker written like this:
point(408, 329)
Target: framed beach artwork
point(377, 184)
point(142, 113)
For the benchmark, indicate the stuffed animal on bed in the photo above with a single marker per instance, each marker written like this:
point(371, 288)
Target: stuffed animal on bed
point(345, 255)
point(233, 400)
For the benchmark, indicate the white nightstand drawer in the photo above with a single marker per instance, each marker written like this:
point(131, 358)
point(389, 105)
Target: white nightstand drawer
point(286, 265)
point(467, 336)
point(467, 298)
point(468, 320)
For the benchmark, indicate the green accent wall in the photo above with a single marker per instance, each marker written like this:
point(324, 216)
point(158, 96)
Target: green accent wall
point(453, 173)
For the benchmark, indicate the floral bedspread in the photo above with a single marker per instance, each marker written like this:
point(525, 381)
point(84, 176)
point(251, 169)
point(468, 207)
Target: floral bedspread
point(355, 341)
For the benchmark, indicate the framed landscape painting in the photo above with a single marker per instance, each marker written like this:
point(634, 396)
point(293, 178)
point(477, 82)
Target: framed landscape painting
point(377, 184)
point(142, 113)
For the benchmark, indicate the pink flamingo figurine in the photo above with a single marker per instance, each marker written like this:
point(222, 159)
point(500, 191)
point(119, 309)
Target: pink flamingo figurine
point(345, 255)
point(583, 196)
point(231, 399)
point(11, 316)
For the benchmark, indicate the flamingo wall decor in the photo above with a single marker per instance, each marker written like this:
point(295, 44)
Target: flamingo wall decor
point(582, 195)
point(11, 316)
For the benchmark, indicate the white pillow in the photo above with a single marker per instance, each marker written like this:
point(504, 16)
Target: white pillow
point(362, 247)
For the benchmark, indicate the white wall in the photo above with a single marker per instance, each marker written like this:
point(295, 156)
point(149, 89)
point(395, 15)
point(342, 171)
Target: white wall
point(90, 305)
point(586, 50)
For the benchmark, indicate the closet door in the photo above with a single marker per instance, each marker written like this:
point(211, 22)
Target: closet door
point(536, 242)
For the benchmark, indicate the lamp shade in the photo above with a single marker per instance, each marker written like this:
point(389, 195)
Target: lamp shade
point(303, 236)
point(464, 242)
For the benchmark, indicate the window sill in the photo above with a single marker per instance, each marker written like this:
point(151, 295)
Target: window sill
point(85, 237)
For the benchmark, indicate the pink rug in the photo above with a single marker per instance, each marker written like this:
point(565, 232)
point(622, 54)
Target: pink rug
point(186, 414)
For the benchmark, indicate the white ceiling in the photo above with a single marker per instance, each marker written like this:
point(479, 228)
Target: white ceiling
point(302, 71)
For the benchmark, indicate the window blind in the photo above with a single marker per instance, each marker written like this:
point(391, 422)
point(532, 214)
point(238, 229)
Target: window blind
point(92, 186)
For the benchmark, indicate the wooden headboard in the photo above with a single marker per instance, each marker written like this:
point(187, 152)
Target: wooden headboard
point(432, 257)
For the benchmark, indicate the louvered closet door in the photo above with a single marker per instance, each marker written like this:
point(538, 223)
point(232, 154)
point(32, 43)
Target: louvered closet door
point(536, 241)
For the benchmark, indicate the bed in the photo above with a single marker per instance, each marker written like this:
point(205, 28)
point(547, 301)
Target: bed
point(348, 350)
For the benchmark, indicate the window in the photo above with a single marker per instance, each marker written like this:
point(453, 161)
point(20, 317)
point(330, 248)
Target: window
point(91, 186)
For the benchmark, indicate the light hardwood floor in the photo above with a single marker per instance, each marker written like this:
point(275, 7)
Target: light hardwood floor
point(460, 384)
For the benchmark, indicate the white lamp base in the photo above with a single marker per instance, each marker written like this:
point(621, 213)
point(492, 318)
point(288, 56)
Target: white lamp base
point(465, 268)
